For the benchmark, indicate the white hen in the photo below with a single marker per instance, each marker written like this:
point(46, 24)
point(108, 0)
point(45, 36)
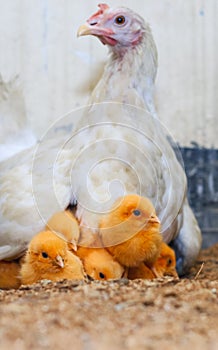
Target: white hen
point(15, 134)
point(116, 148)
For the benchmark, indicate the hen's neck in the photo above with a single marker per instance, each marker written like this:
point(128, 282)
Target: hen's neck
point(129, 75)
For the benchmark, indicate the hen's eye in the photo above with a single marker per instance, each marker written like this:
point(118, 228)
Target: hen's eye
point(101, 275)
point(120, 20)
point(44, 255)
point(136, 212)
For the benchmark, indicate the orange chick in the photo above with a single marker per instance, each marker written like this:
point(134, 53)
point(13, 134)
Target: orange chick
point(142, 271)
point(48, 257)
point(65, 223)
point(9, 274)
point(131, 231)
point(99, 263)
point(165, 265)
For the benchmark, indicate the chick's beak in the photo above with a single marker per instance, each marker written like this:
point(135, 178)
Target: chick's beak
point(73, 245)
point(173, 273)
point(157, 274)
point(59, 261)
point(154, 218)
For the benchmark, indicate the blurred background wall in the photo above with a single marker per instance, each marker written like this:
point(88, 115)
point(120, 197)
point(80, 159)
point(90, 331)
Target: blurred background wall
point(45, 72)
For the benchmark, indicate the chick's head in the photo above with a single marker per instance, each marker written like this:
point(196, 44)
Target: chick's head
point(47, 251)
point(131, 231)
point(64, 223)
point(166, 261)
point(129, 215)
point(100, 265)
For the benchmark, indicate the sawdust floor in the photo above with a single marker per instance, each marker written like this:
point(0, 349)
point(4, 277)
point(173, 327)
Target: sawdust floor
point(141, 314)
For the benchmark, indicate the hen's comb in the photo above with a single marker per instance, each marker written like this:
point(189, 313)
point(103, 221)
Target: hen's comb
point(102, 9)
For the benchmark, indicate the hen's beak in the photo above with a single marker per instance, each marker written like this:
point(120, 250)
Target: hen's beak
point(84, 29)
point(59, 261)
point(94, 28)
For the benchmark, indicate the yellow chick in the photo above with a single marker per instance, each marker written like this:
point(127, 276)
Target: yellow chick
point(99, 263)
point(131, 231)
point(165, 265)
point(9, 274)
point(64, 223)
point(48, 257)
point(142, 271)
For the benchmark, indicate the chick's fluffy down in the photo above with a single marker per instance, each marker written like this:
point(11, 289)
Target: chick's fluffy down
point(99, 264)
point(131, 231)
point(48, 257)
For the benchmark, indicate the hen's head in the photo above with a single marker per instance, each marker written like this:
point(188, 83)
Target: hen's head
point(115, 27)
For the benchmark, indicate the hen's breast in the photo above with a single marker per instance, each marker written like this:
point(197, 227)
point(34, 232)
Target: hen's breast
point(126, 151)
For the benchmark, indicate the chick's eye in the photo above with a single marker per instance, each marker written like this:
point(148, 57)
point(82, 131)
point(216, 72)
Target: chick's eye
point(44, 255)
point(101, 275)
point(120, 20)
point(136, 212)
point(169, 262)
